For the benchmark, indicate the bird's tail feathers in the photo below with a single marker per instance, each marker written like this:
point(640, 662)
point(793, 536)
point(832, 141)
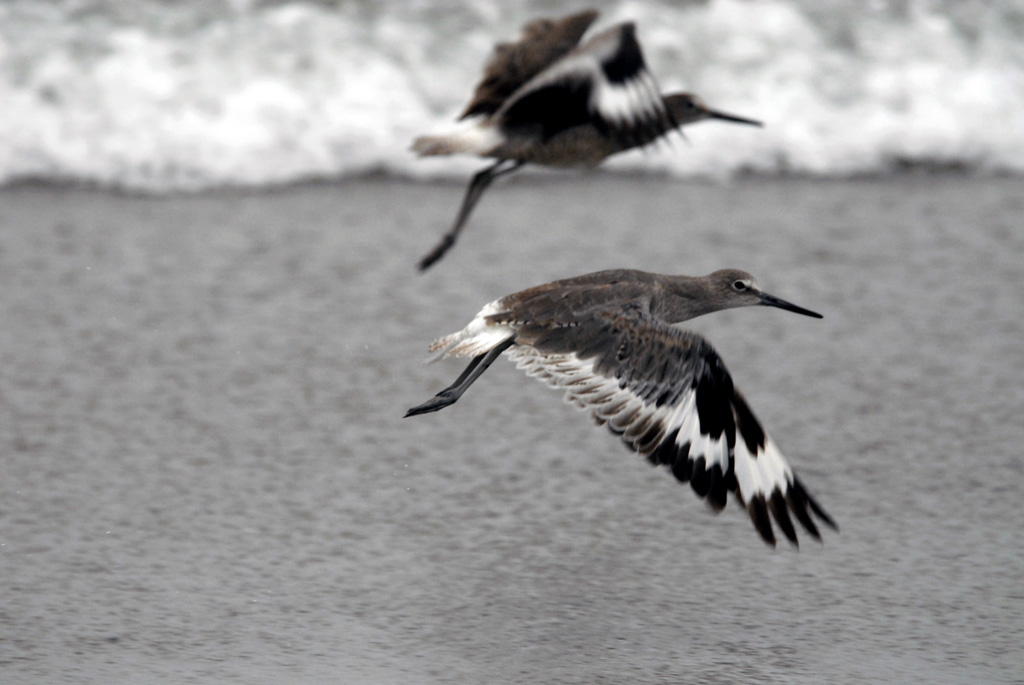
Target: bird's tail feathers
point(430, 146)
point(476, 140)
point(478, 337)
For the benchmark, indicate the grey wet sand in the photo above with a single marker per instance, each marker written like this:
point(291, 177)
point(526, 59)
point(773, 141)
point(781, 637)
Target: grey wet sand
point(206, 476)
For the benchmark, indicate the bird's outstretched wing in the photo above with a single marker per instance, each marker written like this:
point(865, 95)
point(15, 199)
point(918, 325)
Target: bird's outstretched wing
point(604, 83)
point(667, 394)
point(512, 64)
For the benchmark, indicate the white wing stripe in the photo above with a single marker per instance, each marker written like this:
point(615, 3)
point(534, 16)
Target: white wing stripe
point(757, 475)
point(627, 104)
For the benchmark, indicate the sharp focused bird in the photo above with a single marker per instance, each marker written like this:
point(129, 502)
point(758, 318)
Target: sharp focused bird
point(546, 100)
point(607, 340)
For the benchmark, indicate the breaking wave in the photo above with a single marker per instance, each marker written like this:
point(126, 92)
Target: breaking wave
point(156, 96)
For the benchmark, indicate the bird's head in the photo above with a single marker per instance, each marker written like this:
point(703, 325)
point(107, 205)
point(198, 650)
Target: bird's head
point(734, 288)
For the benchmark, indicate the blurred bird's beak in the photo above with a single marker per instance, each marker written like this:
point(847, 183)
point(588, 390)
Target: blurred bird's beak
point(722, 116)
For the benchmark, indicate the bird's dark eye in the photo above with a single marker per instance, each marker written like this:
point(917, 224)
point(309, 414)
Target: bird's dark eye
point(739, 285)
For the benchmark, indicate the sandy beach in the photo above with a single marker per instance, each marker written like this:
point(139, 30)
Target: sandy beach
point(206, 476)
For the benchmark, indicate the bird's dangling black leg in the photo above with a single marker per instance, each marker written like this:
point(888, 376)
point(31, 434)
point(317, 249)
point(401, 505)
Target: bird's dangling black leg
point(476, 188)
point(453, 392)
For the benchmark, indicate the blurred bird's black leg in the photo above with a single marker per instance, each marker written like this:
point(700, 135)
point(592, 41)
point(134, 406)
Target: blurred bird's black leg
point(476, 188)
point(453, 392)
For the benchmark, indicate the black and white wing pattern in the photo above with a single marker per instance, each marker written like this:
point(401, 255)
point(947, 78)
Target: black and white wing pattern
point(512, 64)
point(666, 392)
point(604, 83)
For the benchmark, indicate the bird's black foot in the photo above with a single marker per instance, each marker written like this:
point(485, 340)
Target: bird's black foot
point(435, 403)
point(434, 255)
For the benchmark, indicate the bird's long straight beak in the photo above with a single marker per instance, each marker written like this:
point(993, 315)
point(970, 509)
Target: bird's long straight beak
point(722, 116)
point(772, 301)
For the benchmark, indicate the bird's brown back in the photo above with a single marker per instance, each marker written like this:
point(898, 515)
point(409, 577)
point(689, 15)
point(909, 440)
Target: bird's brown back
point(571, 302)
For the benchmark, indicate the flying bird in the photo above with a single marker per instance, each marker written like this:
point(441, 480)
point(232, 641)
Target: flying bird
point(547, 100)
point(608, 341)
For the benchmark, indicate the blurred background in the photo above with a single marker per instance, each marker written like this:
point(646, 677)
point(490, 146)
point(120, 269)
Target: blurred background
point(205, 475)
point(160, 95)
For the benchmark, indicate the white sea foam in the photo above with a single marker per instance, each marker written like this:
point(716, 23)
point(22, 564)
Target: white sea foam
point(168, 96)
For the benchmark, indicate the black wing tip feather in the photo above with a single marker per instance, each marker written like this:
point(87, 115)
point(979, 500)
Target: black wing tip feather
point(627, 33)
point(777, 505)
point(758, 509)
point(814, 506)
point(627, 59)
point(700, 477)
point(796, 502)
point(718, 489)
